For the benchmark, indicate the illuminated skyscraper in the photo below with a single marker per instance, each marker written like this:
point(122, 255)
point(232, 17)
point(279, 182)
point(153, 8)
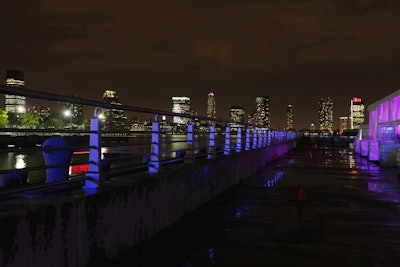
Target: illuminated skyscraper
point(73, 113)
point(289, 117)
point(114, 118)
point(13, 103)
point(181, 105)
point(325, 114)
point(261, 114)
point(211, 111)
point(356, 113)
point(237, 116)
point(344, 124)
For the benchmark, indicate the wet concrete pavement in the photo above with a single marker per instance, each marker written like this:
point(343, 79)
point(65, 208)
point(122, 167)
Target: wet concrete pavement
point(315, 206)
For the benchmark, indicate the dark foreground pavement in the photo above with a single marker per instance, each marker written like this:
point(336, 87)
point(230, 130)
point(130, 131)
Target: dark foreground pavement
point(313, 207)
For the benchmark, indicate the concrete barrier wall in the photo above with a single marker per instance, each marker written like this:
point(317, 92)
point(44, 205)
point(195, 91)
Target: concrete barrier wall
point(74, 228)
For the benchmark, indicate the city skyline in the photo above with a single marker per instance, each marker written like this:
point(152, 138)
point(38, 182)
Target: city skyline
point(259, 115)
point(292, 51)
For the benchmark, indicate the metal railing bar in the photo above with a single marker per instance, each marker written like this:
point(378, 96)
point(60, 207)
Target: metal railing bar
point(55, 97)
point(13, 190)
point(124, 170)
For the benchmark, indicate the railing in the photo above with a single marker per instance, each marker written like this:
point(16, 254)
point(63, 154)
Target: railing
point(93, 155)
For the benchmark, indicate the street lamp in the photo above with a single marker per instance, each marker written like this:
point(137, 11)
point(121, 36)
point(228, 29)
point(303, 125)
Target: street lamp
point(68, 113)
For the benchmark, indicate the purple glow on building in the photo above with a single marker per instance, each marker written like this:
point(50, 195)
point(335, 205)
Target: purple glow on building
point(383, 112)
point(210, 94)
point(373, 125)
point(395, 108)
point(364, 148)
point(373, 151)
point(397, 133)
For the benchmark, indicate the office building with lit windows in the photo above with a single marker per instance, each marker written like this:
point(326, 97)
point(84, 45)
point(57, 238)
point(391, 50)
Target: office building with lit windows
point(237, 116)
point(42, 111)
point(356, 113)
point(181, 105)
point(325, 114)
point(289, 117)
point(260, 116)
point(13, 103)
point(114, 118)
point(344, 124)
point(73, 113)
point(211, 108)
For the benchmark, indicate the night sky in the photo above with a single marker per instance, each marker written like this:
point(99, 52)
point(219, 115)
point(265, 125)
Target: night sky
point(294, 51)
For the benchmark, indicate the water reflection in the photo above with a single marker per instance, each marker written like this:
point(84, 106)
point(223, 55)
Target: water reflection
point(271, 181)
point(362, 163)
point(17, 160)
point(20, 161)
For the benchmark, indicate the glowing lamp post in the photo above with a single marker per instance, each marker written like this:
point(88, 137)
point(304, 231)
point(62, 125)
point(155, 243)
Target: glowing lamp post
point(68, 114)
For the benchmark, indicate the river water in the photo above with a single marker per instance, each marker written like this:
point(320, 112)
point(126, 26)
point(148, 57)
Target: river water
point(138, 144)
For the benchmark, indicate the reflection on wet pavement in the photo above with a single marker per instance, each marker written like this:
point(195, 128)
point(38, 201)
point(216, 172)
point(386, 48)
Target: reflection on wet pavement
point(350, 216)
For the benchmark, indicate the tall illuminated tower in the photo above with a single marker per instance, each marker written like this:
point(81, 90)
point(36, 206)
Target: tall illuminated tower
point(325, 114)
point(211, 111)
point(114, 117)
point(181, 105)
point(344, 124)
point(261, 114)
point(73, 113)
point(289, 117)
point(356, 113)
point(237, 115)
point(13, 103)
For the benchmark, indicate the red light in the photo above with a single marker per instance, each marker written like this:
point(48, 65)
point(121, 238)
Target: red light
point(356, 99)
point(75, 169)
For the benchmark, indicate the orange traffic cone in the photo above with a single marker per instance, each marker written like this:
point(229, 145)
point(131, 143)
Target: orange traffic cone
point(300, 192)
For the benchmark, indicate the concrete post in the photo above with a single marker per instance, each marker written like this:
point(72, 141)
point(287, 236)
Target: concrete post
point(239, 140)
point(154, 163)
point(189, 157)
point(247, 145)
point(94, 176)
point(273, 141)
point(227, 147)
point(254, 138)
point(260, 138)
point(265, 138)
point(211, 143)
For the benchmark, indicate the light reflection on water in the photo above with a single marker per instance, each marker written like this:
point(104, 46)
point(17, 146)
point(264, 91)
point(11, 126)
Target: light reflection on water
point(17, 160)
point(20, 161)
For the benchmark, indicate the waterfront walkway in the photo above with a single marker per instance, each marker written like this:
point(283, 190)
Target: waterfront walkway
point(315, 206)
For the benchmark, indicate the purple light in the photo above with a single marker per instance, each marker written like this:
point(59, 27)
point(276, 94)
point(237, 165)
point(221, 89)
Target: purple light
point(383, 112)
point(373, 151)
point(364, 148)
point(210, 94)
point(398, 133)
point(373, 125)
point(395, 108)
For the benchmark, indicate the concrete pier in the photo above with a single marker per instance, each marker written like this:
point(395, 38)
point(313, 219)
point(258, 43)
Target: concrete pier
point(73, 227)
point(331, 209)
